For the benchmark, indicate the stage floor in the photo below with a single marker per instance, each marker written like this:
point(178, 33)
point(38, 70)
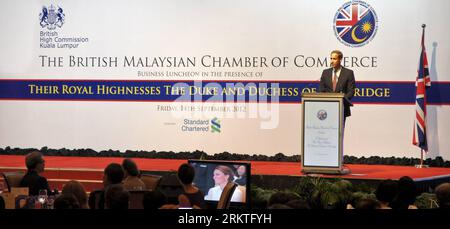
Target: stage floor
point(90, 169)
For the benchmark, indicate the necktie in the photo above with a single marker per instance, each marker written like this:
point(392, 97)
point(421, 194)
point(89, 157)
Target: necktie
point(334, 80)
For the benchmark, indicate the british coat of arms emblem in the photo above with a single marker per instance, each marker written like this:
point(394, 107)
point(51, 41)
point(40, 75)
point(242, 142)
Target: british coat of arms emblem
point(51, 17)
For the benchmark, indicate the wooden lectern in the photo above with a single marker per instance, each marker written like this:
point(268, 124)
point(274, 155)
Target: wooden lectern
point(322, 133)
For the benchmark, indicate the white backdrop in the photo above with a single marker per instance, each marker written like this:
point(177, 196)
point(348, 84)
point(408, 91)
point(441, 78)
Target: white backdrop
point(236, 28)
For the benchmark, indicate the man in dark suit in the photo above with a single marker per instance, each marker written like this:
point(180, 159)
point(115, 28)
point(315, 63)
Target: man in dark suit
point(338, 79)
point(35, 164)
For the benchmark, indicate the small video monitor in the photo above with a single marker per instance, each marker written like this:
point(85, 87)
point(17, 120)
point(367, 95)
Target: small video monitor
point(212, 176)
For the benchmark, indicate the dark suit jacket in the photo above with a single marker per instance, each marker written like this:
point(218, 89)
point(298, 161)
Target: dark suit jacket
point(34, 182)
point(345, 84)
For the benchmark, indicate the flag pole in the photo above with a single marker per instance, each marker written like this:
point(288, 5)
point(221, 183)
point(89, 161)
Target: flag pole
point(421, 158)
point(421, 165)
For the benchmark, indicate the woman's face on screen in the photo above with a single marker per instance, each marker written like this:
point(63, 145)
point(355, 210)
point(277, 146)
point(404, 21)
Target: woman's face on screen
point(219, 177)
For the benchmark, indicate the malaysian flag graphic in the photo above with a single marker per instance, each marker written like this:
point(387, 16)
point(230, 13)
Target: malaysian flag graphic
point(422, 83)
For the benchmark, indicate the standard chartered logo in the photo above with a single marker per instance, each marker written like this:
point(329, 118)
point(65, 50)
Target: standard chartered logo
point(215, 125)
point(201, 125)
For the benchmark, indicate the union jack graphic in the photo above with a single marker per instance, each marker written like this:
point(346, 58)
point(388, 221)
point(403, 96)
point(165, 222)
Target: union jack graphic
point(422, 83)
point(350, 17)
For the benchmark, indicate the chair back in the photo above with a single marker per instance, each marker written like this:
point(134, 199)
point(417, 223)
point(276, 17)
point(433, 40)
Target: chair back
point(13, 179)
point(10, 197)
point(227, 194)
point(97, 196)
point(137, 199)
point(171, 187)
point(22, 201)
point(150, 181)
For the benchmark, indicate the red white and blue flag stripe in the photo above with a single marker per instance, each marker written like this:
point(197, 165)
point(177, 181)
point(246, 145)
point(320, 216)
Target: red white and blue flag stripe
point(422, 83)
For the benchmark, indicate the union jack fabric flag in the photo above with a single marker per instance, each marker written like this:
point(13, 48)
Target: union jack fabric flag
point(422, 83)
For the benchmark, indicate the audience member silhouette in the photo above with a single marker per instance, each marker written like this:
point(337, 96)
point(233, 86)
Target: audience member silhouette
point(406, 195)
point(132, 182)
point(35, 165)
point(443, 195)
point(113, 174)
point(186, 174)
point(66, 201)
point(76, 189)
point(116, 197)
point(386, 192)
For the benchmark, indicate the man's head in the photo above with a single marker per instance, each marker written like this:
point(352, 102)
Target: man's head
point(443, 195)
point(407, 189)
point(386, 191)
point(113, 174)
point(336, 58)
point(35, 162)
point(241, 170)
point(130, 168)
point(186, 173)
